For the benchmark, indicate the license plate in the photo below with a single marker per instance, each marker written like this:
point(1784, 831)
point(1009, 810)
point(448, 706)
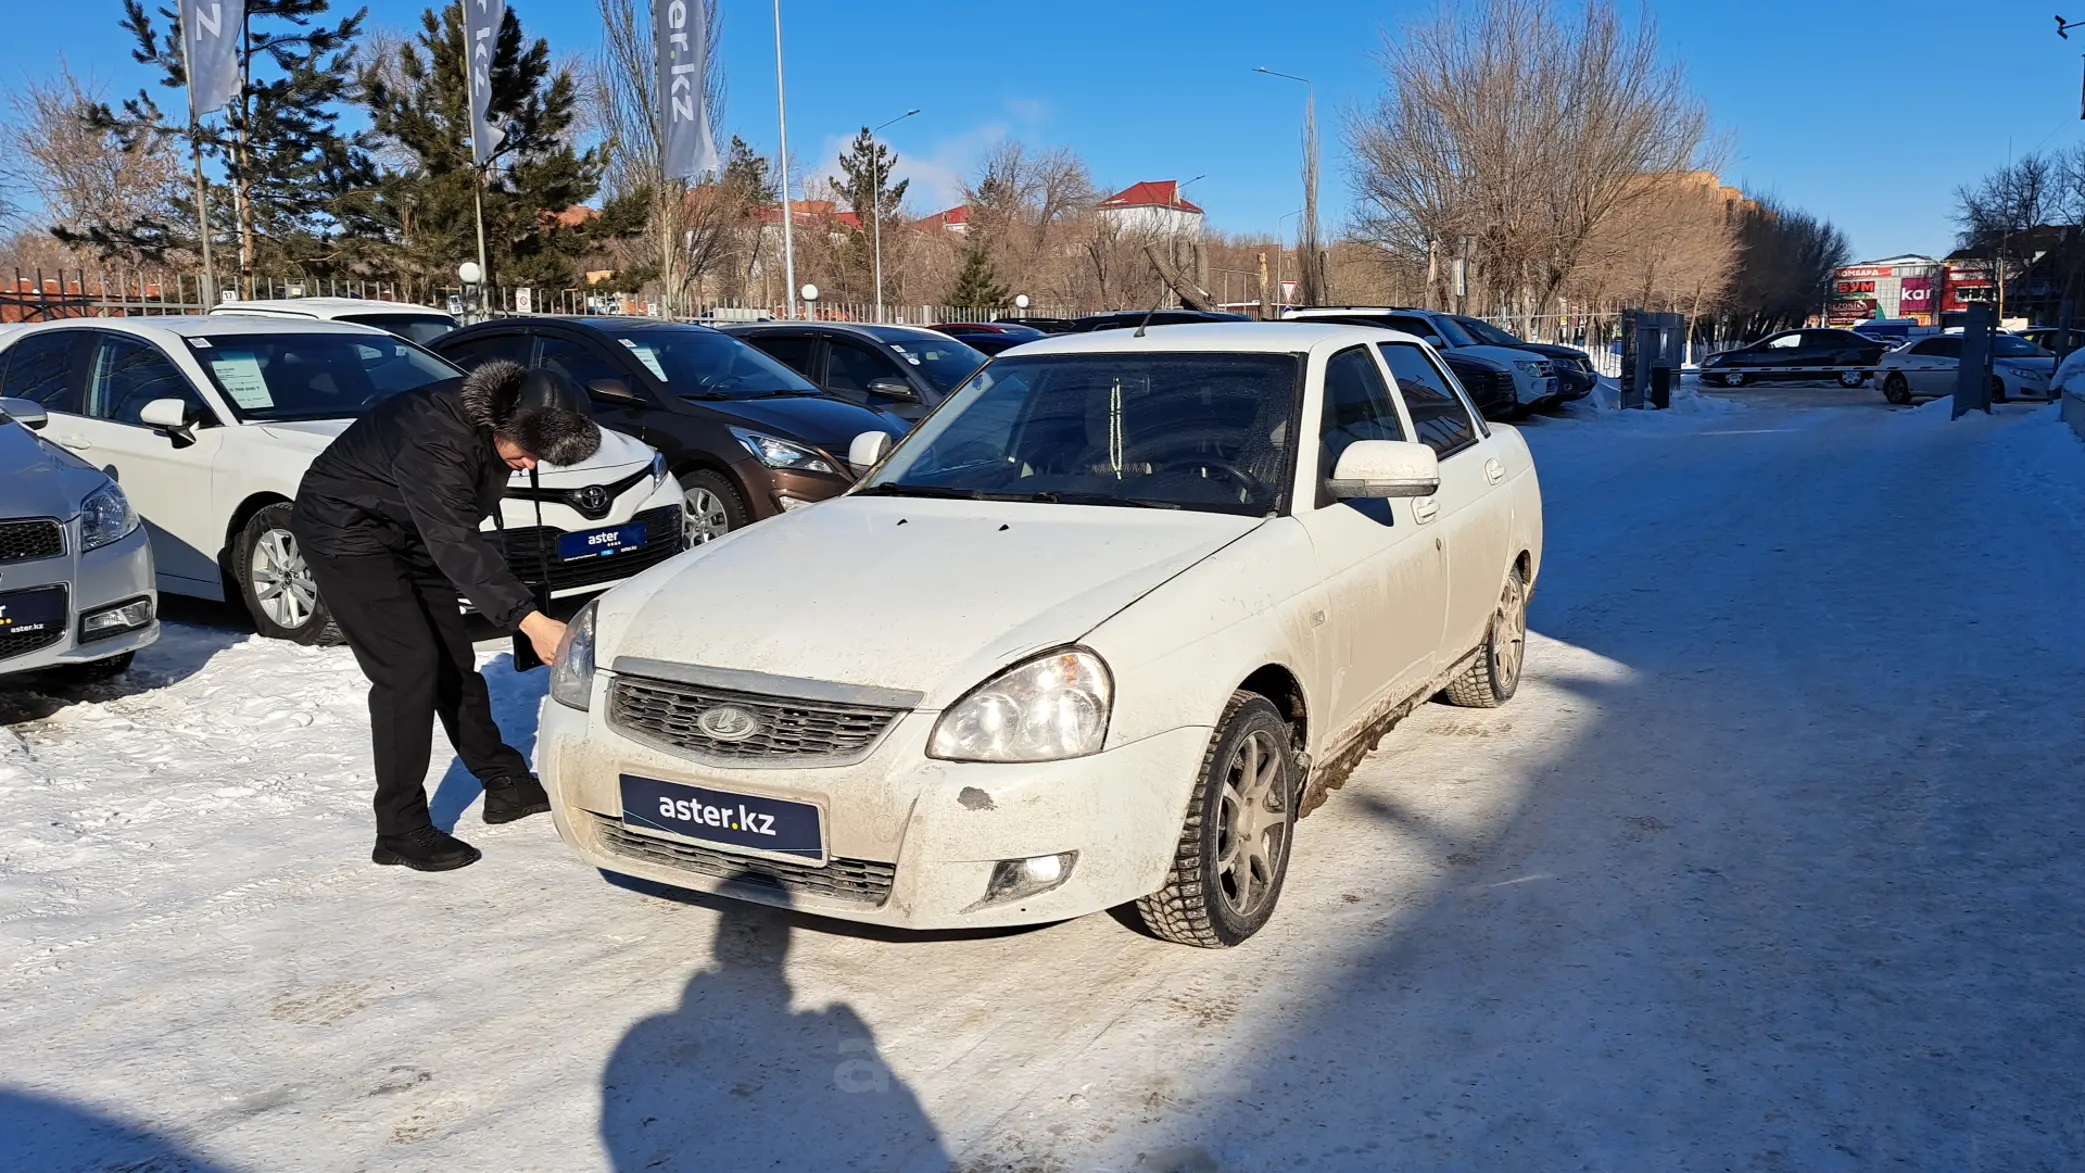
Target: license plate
point(743, 821)
point(24, 612)
point(600, 543)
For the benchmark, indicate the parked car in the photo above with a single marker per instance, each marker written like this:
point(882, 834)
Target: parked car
point(1046, 325)
point(1505, 383)
point(2053, 338)
point(76, 592)
point(1928, 368)
point(747, 437)
point(1135, 604)
point(2069, 376)
point(1131, 319)
point(905, 371)
point(210, 422)
point(1572, 367)
point(991, 338)
point(1797, 354)
point(415, 323)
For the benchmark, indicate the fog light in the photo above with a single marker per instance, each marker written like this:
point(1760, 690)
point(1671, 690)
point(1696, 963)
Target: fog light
point(112, 621)
point(790, 504)
point(1014, 879)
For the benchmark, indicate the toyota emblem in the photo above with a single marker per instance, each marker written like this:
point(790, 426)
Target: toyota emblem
point(593, 499)
point(728, 723)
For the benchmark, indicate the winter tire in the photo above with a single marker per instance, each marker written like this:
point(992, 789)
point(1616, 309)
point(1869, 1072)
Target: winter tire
point(1896, 389)
point(1734, 379)
point(275, 581)
point(1234, 843)
point(1852, 378)
point(1492, 680)
point(1997, 389)
point(710, 507)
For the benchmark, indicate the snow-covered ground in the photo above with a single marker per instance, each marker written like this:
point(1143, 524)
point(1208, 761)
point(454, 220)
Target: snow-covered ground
point(1773, 864)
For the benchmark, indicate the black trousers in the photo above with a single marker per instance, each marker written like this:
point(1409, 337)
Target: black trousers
point(408, 634)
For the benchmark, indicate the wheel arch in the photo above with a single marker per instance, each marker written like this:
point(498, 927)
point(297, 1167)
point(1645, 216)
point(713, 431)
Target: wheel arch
point(254, 503)
point(1282, 687)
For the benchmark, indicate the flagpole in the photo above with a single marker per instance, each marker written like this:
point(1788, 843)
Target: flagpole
point(208, 289)
point(470, 115)
point(788, 209)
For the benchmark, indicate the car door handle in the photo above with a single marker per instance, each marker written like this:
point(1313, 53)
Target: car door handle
point(1425, 509)
point(74, 441)
point(1494, 471)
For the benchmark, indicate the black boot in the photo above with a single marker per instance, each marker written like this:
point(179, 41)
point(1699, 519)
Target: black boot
point(508, 799)
point(425, 850)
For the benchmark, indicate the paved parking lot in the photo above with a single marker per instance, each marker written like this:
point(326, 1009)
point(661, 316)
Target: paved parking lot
point(1773, 864)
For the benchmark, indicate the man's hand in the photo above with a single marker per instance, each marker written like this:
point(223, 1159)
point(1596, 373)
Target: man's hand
point(545, 633)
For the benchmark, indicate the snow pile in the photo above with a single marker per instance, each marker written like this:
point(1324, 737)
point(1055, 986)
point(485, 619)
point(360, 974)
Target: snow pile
point(1606, 398)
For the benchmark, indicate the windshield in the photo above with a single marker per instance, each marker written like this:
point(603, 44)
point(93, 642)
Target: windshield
point(1487, 333)
point(1209, 432)
point(944, 361)
point(314, 376)
point(2007, 346)
point(420, 328)
point(695, 363)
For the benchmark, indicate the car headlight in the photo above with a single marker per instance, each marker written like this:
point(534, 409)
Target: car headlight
point(1533, 369)
point(106, 516)
point(572, 677)
point(781, 453)
point(1045, 709)
point(2030, 374)
point(658, 469)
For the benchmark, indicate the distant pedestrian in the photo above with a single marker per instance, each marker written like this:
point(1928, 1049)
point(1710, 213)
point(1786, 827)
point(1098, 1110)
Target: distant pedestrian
point(388, 518)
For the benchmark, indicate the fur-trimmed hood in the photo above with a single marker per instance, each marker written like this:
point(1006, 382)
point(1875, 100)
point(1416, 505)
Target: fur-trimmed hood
point(489, 393)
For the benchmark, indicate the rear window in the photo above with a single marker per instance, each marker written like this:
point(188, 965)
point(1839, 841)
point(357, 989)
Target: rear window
point(420, 328)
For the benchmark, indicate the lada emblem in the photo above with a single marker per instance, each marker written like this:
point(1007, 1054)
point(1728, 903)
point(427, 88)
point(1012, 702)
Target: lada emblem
point(727, 723)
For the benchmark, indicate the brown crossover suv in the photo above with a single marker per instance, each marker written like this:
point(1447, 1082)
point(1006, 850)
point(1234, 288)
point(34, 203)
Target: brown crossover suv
point(746, 436)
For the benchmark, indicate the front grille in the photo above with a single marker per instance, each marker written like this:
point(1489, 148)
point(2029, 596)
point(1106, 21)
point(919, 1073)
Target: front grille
point(667, 713)
point(860, 880)
point(22, 541)
point(21, 644)
point(527, 548)
point(1487, 388)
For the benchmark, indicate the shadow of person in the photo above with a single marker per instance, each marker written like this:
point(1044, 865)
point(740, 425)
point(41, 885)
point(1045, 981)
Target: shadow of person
point(734, 1079)
point(55, 1137)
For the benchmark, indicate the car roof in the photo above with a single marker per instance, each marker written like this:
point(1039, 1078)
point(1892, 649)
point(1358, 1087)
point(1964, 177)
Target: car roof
point(1206, 337)
point(1339, 311)
point(326, 306)
point(214, 326)
point(881, 333)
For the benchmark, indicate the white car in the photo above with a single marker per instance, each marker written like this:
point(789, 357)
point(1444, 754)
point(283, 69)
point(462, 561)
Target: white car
point(1095, 633)
point(210, 422)
point(417, 323)
point(76, 592)
point(1927, 369)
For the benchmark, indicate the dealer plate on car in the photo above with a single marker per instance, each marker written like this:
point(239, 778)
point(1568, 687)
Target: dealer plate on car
point(744, 822)
point(600, 543)
point(23, 612)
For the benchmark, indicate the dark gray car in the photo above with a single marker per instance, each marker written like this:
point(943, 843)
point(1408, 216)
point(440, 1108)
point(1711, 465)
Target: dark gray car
point(904, 371)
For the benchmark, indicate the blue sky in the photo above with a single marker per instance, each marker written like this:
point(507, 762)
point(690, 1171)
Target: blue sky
point(1868, 114)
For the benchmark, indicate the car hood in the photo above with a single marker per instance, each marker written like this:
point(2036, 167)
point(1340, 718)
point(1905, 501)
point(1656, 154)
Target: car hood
point(812, 419)
point(2043, 363)
point(1550, 350)
point(926, 596)
point(619, 455)
point(1501, 356)
point(39, 479)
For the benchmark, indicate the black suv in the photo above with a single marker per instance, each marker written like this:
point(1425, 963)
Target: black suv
point(1131, 319)
point(745, 435)
point(1573, 367)
point(903, 370)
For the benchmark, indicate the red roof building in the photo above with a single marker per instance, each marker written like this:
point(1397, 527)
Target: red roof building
point(1154, 206)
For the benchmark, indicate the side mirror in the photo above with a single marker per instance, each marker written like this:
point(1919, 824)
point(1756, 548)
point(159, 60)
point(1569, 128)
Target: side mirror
point(169, 415)
point(613, 390)
point(1385, 468)
point(26, 412)
point(893, 389)
point(866, 450)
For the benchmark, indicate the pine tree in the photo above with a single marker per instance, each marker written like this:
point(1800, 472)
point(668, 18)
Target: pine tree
point(978, 285)
point(419, 104)
point(865, 183)
point(299, 181)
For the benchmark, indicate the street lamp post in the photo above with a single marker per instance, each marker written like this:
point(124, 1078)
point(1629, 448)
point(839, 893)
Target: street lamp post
point(1310, 279)
point(788, 209)
point(876, 203)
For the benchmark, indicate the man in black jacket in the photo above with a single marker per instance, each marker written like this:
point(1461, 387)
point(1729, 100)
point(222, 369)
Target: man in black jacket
point(388, 519)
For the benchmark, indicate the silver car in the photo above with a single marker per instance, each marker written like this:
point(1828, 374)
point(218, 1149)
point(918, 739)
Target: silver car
point(1926, 369)
point(76, 578)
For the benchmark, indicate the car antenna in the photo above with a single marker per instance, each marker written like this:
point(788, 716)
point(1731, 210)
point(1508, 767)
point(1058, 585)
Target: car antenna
point(1143, 325)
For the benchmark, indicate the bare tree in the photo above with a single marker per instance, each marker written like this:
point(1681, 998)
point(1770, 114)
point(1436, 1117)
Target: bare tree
point(80, 175)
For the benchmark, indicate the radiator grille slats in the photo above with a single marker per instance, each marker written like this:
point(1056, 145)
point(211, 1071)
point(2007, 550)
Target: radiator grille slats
point(24, 541)
point(527, 548)
point(859, 880)
point(784, 729)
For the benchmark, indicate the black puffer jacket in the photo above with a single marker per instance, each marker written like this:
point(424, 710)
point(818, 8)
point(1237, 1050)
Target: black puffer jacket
point(415, 478)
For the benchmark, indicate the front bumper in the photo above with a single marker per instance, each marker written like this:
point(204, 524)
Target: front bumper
point(115, 573)
point(911, 842)
point(531, 552)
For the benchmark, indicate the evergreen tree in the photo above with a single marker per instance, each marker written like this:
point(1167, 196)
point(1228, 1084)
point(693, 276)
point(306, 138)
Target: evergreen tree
point(301, 184)
point(418, 102)
point(978, 285)
point(865, 183)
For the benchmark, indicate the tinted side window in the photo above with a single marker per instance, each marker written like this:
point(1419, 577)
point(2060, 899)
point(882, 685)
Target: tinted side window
point(1783, 342)
point(1948, 348)
point(580, 363)
point(796, 353)
point(850, 369)
point(130, 373)
point(476, 352)
point(42, 368)
point(1357, 407)
point(1438, 415)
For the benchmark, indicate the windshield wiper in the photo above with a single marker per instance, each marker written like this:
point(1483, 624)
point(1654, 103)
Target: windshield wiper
point(1054, 497)
point(895, 490)
point(786, 393)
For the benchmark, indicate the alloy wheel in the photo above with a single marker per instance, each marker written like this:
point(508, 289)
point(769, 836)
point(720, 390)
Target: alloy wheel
point(1509, 635)
point(704, 516)
point(1253, 831)
point(281, 580)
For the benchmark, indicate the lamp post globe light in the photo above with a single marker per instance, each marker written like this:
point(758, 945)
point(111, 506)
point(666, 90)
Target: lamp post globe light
point(809, 293)
point(469, 272)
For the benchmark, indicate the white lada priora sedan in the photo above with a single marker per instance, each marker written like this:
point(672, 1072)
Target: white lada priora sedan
point(1096, 633)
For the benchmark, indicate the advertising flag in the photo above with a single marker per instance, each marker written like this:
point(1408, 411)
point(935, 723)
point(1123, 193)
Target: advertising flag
point(210, 34)
point(481, 36)
point(681, 29)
